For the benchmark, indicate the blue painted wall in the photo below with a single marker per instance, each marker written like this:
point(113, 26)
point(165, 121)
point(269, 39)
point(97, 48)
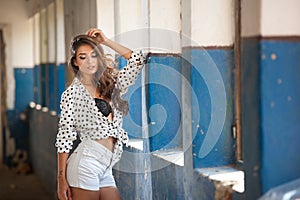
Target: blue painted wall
point(52, 87)
point(164, 105)
point(61, 83)
point(164, 102)
point(37, 88)
point(280, 111)
point(270, 112)
point(212, 106)
point(24, 87)
point(132, 122)
point(42, 84)
point(49, 83)
point(18, 118)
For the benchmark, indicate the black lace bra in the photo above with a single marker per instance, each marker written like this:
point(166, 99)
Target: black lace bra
point(103, 107)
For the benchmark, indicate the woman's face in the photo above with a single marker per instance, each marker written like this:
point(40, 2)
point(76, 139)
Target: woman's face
point(86, 60)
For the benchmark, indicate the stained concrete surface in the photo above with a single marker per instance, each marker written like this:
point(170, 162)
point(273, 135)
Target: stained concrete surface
point(26, 187)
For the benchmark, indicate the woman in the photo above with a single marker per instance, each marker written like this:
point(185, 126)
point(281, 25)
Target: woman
point(92, 108)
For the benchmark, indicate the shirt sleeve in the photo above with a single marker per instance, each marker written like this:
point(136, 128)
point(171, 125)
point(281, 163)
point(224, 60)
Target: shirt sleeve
point(128, 75)
point(66, 128)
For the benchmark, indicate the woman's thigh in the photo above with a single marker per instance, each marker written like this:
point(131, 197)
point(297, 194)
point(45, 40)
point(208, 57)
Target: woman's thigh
point(81, 194)
point(109, 193)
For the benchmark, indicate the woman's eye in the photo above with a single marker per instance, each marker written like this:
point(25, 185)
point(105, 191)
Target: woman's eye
point(81, 57)
point(94, 55)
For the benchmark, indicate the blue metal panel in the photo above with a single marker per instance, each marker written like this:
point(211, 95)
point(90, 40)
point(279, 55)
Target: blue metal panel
point(212, 112)
point(164, 99)
point(280, 97)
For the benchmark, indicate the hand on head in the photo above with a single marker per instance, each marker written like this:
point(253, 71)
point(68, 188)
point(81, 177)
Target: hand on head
point(97, 34)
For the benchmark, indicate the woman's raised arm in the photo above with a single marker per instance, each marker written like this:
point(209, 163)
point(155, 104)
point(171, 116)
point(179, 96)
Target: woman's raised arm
point(102, 39)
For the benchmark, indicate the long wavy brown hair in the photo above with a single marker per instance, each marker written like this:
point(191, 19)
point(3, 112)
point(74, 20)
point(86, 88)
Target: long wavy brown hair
point(106, 75)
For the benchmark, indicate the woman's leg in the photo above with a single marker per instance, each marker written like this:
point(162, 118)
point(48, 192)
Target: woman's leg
point(109, 193)
point(81, 194)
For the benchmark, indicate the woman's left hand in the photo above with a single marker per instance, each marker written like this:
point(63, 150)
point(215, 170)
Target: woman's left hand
point(97, 34)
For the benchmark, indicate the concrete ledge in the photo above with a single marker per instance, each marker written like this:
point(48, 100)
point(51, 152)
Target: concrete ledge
point(167, 177)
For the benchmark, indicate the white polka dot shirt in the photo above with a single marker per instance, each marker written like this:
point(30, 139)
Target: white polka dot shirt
point(80, 115)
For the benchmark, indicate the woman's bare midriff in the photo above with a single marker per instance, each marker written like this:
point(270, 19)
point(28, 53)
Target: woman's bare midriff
point(109, 143)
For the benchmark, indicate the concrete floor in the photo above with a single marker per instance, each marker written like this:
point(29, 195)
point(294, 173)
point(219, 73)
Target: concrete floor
point(26, 187)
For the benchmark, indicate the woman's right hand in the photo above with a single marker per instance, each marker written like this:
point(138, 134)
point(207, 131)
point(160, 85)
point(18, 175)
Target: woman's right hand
point(97, 34)
point(63, 189)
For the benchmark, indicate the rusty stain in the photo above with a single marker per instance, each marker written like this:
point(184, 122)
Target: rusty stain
point(273, 56)
point(223, 191)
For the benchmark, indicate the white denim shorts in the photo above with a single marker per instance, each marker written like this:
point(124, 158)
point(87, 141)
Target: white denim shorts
point(89, 166)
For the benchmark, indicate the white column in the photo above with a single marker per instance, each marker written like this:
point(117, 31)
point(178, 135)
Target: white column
point(51, 33)
point(43, 37)
point(60, 33)
point(250, 18)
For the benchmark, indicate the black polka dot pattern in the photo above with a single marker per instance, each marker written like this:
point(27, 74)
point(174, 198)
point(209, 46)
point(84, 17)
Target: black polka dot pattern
point(80, 115)
point(129, 73)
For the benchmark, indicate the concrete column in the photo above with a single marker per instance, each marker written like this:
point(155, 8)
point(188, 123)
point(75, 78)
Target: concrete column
point(51, 37)
point(36, 41)
point(60, 29)
point(80, 15)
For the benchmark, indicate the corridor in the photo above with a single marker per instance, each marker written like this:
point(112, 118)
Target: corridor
point(15, 186)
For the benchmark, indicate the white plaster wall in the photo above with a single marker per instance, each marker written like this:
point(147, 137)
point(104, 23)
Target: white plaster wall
point(13, 12)
point(280, 18)
point(129, 22)
point(18, 36)
point(165, 26)
point(250, 17)
point(105, 17)
point(122, 21)
point(128, 15)
point(212, 22)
